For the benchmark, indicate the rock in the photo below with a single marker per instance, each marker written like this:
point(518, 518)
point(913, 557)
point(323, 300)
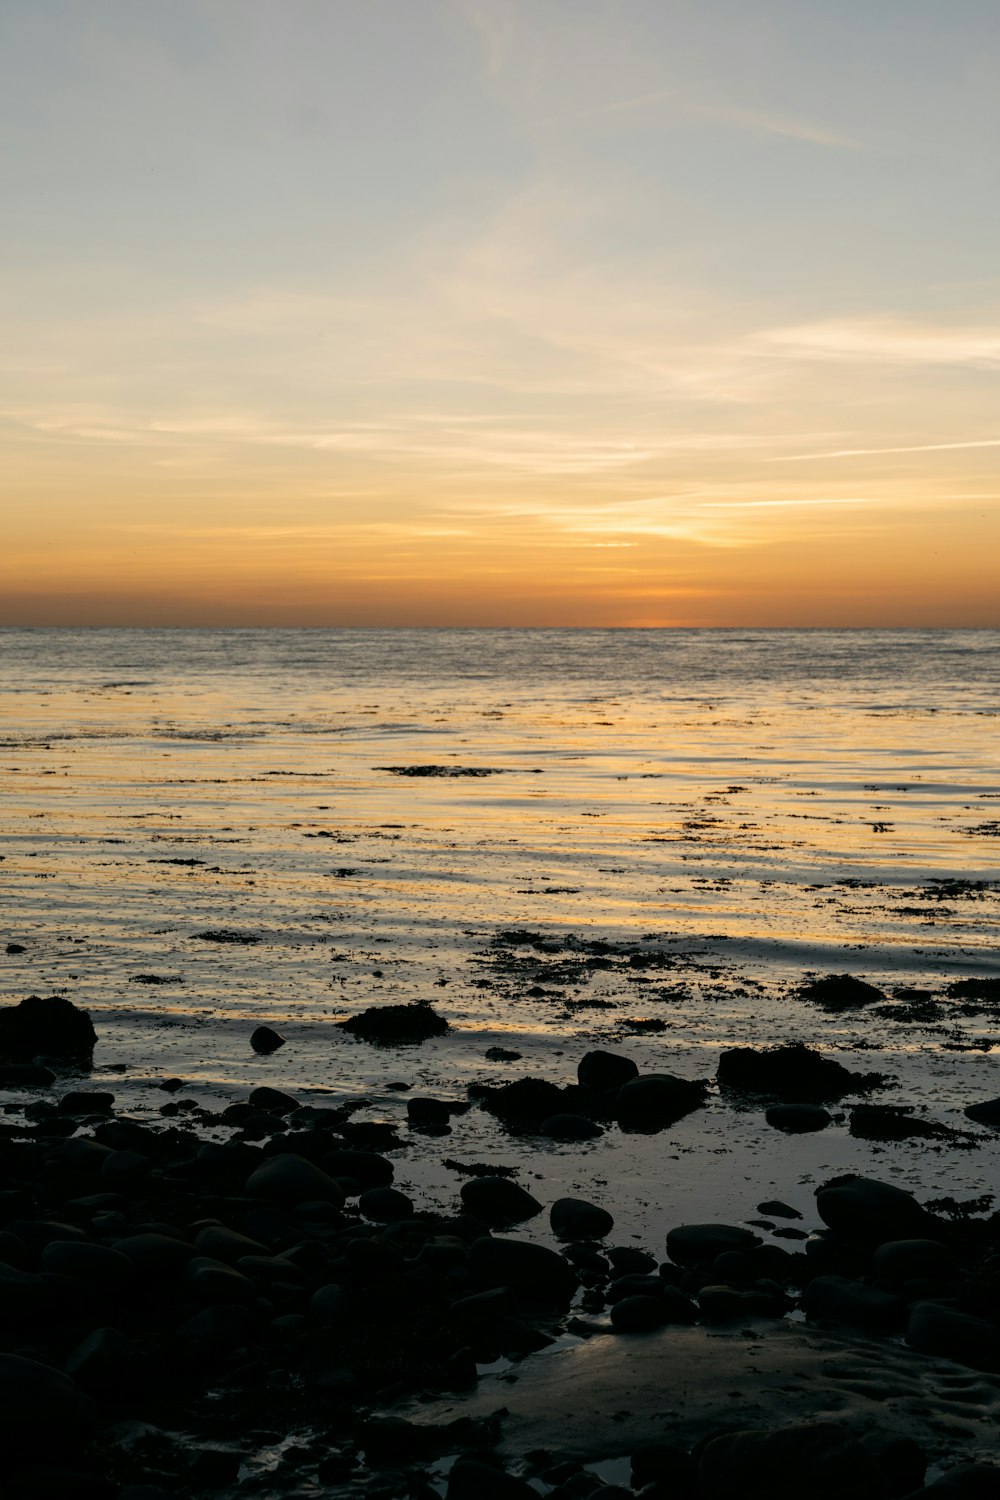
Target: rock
point(574, 1219)
point(523, 1104)
point(389, 1024)
point(41, 1410)
point(97, 1264)
point(155, 1255)
point(861, 1208)
point(699, 1244)
point(228, 1326)
point(890, 1122)
point(25, 1299)
point(385, 1205)
point(987, 1113)
point(664, 1462)
point(214, 1283)
point(818, 1459)
point(289, 1179)
point(963, 1482)
point(626, 1259)
point(566, 1127)
point(654, 1100)
point(794, 1073)
point(497, 1200)
point(86, 1102)
point(533, 1272)
point(368, 1168)
point(775, 1209)
point(52, 1027)
point(226, 1244)
point(264, 1040)
point(423, 1111)
point(105, 1364)
point(605, 1070)
point(470, 1479)
point(638, 1314)
point(837, 1299)
point(838, 992)
point(25, 1076)
point(272, 1101)
point(797, 1119)
point(948, 1334)
point(910, 1260)
point(726, 1304)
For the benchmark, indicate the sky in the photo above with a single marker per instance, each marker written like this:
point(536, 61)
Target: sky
point(500, 312)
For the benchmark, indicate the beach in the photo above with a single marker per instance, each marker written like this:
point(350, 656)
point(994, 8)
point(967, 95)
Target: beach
point(661, 846)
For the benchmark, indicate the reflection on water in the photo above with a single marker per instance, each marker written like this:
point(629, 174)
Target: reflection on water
point(731, 809)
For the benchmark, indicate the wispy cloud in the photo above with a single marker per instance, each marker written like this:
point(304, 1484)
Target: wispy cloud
point(685, 107)
point(793, 458)
point(886, 340)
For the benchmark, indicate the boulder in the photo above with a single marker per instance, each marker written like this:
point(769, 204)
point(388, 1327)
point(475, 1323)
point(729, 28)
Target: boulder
point(50, 1027)
point(839, 992)
point(289, 1179)
point(987, 1113)
point(837, 1299)
point(497, 1200)
point(819, 1459)
point(272, 1101)
point(862, 1209)
point(605, 1070)
point(794, 1072)
point(575, 1219)
point(949, 1334)
point(533, 1272)
point(264, 1040)
point(699, 1244)
point(653, 1100)
point(41, 1410)
point(798, 1119)
point(566, 1127)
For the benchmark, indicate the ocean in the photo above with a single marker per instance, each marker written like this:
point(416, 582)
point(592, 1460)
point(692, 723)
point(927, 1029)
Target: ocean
point(640, 840)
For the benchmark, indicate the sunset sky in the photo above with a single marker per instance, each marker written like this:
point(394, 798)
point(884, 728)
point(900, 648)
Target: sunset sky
point(500, 312)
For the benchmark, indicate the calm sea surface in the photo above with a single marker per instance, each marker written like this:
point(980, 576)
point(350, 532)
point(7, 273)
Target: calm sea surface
point(373, 816)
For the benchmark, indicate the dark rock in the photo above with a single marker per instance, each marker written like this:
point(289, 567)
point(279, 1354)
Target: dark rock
point(654, 1100)
point(638, 1314)
point(86, 1102)
point(963, 1482)
point(699, 1244)
point(987, 1113)
point(385, 1205)
point(794, 1073)
point(838, 992)
point(423, 1111)
point(98, 1264)
point(523, 1104)
point(837, 1299)
point(818, 1459)
point(948, 1334)
point(798, 1119)
point(264, 1040)
point(626, 1258)
point(662, 1461)
point(105, 1364)
point(290, 1179)
point(366, 1167)
point(863, 1209)
point(574, 1219)
point(25, 1076)
point(272, 1101)
point(908, 1260)
point(41, 1410)
point(231, 1325)
point(566, 1127)
point(605, 1070)
point(214, 1283)
point(888, 1122)
point(52, 1027)
point(388, 1024)
point(155, 1255)
point(229, 1245)
point(25, 1299)
point(533, 1272)
point(901, 1460)
point(775, 1209)
point(497, 1200)
point(470, 1479)
point(727, 1304)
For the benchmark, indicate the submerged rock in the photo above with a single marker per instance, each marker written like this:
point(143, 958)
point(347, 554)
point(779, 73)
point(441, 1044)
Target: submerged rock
point(798, 1119)
point(50, 1027)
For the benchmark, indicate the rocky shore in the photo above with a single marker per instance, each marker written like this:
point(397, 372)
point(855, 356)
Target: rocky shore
point(241, 1302)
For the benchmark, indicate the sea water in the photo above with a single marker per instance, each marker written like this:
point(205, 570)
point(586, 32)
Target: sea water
point(357, 817)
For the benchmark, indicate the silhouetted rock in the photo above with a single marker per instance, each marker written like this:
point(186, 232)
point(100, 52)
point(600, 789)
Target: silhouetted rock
point(837, 992)
point(798, 1119)
point(605, 1070)
point(497, 1200)
point(386, 1024)
point(533, 1272)
point(987, 1113)
point(862, 1209)
point(693, 1244)
point(575, 1219)
point(794, 1073)
point(51, 1027)
point(654, 1100)
point(290, 1179)
point(819, 1459)
point(949, 1334)
point(264, 1040)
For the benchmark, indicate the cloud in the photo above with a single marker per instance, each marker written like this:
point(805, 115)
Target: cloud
point(886, 341)
point(792, 458)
